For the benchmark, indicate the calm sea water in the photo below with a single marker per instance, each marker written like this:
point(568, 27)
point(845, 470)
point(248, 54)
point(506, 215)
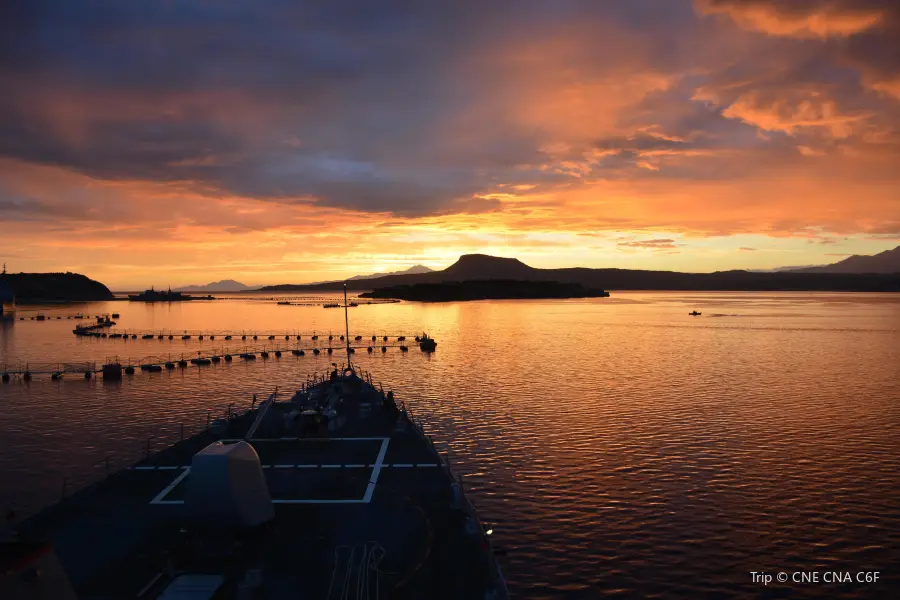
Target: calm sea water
point(618, 446)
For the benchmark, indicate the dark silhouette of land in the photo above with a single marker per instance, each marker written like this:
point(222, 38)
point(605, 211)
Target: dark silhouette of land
point(484, 289)
point(480, 267)
point(883, 262)
point(56, 287)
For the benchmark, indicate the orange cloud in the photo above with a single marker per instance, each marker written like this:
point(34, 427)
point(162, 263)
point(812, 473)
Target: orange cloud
point(809, 18)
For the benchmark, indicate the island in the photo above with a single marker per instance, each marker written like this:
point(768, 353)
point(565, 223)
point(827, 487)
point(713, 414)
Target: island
point(480, 267)
point(52, 288)
point(485, 289)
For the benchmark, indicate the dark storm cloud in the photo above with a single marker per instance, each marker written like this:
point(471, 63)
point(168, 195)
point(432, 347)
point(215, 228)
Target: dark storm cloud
point(211, 92)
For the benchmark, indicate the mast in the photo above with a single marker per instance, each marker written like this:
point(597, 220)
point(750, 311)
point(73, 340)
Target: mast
point(347, 326)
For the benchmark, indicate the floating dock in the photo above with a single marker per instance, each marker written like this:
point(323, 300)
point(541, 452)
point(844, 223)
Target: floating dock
point(116, 366)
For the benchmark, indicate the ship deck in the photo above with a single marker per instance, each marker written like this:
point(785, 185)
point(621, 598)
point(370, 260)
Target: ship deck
point(363, 509)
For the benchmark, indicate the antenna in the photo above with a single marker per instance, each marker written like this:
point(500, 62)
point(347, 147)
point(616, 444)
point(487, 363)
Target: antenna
point(347, 326)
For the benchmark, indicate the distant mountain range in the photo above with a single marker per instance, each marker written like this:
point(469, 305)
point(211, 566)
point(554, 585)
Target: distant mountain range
point(225, 285)
point(414, 270)
point(883, 262)
point(230, 285)
point(483, 267)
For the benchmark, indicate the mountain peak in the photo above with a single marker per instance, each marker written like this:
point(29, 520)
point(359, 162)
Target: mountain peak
point(883, 262)
point(484, 266)
point(225, 285)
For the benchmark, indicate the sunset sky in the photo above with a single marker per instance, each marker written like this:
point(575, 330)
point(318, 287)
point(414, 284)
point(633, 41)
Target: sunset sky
point(169, 142)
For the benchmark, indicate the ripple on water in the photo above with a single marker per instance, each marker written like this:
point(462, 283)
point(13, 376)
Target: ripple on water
point(617, 448)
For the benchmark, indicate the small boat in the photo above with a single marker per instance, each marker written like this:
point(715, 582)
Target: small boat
point(352, 304)
point(694, 313)
point(426, 344)
point(331, 305)
point(284, 304)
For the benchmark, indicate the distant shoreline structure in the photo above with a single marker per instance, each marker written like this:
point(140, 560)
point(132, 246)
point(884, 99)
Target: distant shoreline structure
point(152, 295)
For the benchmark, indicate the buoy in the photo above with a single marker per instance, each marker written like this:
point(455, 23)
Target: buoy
point(5, 377)
point(287, 337)
point(254, 337)
point(385, 338)
point(330, 350)
point(373, 338)
point(115, 315)
point(170, 365)
point(342, 338)
point(200, 337)
point(27, 376)
point(302, 353)
point(155, 369)
point(216, 359)
point(401, 338)
point(212, 337)
point(384, 348)
point(227, 337)
point(227, 358)
point(278, 354)
point(185, 337)
point(296, 352)
point(264, 354)
point(330, 337)
point(171, 337)
point(351, 350)
point(404, 349)
point(357, 338)
point(182, 363)
point(370, 348)
point(56, 375)
point(88, 374)
point(129, 370)
point(315, 351)
point(298, 337)
point(243, 337)
point(315, 337)
point(271, 337)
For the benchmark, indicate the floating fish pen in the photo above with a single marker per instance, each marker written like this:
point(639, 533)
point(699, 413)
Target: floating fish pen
point(114, 368)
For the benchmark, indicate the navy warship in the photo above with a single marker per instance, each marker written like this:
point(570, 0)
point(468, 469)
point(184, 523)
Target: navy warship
point(332, 492)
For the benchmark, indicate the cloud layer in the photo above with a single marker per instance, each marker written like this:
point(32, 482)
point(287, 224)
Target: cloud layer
point(214, 123)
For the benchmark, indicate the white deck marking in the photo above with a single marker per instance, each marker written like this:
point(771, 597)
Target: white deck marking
point(169, 467)
point(310, 439)
point(307, 466)
point(285, 501)
point(426, 464)
point(283, 466)
point(355, 466)
point(170, 487)
point(401, 465)
point(340, 501)
point(376, 470)
point(331, 466)
point(145, 468)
